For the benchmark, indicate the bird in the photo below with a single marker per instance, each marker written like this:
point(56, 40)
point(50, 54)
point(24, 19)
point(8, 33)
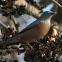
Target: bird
point(38, 29)
point(35, 31)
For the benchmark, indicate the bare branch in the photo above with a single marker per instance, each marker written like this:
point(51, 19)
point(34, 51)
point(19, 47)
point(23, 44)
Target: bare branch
point(3, 27)
point(15, 22)
point(57, 3)
point(29, 8)
point(7, 51)
point(11, 23)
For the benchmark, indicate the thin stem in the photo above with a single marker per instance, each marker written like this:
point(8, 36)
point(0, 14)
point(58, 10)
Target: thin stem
point(57, 3)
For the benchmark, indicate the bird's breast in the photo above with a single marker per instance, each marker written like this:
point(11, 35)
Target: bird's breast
point(44, 28)
point(36, 32)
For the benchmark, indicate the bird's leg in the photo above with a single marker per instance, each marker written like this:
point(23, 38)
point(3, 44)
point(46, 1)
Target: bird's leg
point(29, 45)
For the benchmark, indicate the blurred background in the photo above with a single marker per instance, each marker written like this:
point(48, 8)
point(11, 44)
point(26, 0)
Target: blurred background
point(24, 19)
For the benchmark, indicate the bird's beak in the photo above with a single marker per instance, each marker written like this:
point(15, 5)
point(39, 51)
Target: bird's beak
point(55, 12)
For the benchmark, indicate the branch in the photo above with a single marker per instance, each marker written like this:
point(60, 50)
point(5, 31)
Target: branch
point(11, 23)
point(29, 8)
point(3, 27)
point(58, 16)
point(35, 4)
point(57, 3)
point(15, 23)
point(5, 52)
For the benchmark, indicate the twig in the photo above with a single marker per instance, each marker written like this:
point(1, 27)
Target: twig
point(7, 51)
point(12, 17)
point(3, 26)
point(57, 3)
point(15, 22)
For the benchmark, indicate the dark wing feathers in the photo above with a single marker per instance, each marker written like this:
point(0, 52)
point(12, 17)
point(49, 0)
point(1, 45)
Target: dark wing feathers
point(33, 24)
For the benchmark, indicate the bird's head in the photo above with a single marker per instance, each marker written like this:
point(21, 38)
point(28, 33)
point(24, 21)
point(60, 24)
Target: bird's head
point(47, 14)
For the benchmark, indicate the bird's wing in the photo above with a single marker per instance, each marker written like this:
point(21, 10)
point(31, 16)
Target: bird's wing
point(33, 24)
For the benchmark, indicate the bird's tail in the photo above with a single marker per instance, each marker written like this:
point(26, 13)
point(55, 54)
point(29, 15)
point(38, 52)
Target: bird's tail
point(13, 40)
